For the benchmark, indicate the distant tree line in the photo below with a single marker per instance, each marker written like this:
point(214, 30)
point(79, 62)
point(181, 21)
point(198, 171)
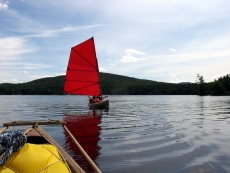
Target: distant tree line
point(122, 85)
point(219, 87)
point(44, 86)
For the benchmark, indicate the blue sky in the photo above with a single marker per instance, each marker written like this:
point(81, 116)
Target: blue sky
point(165, 41)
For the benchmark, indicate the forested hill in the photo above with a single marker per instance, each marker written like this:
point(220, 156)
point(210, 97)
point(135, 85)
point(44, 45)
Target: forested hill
point(111, 85)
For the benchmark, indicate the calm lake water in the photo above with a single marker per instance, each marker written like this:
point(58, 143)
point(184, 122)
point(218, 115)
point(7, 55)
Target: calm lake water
point(146, 134)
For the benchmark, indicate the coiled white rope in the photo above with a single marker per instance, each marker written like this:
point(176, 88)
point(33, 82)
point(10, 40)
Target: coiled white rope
point(11, 142)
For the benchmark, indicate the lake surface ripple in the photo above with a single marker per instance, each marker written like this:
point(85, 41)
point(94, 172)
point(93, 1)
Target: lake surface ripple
point(147, 134)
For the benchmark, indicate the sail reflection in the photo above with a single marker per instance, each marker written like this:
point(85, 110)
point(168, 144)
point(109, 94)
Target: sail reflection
point(86, 130)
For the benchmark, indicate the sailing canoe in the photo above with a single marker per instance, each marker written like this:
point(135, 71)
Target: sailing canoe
point(41, 153)
point(82, 73)
point(101, 104)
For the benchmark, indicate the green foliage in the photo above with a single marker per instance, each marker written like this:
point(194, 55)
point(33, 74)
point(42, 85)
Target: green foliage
point(120, 85)
point(217, 88)
point(221, 86)
point(201, 83)
point(44, 86)
point(123, 85)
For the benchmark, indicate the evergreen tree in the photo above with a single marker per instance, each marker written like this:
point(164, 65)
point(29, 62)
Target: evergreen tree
point(217, 88)
point(201, 82)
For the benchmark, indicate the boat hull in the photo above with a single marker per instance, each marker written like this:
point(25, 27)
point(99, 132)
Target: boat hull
point(32, 154)
point(102, 104)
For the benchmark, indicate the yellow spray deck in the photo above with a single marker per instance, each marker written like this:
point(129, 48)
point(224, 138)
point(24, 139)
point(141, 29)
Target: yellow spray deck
point(41, 153)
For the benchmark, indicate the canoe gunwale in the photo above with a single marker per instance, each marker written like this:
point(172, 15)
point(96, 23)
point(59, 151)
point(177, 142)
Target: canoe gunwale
point(102, 104)
point(38, 122)
point(36, 132)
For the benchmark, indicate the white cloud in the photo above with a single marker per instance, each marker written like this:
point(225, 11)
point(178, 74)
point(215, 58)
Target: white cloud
point(11, 47)
point(172, 49)
point(36, 66)
point(195, 42)
point(24, 71)
point(175, 79)
point(44, 76)
point(133, 52)
point(215, 77)
point(102, 70)
point(3, 6)
point(41, 76)
point(60, 74)
point(26, 65)
point(56, 32)
point(130, 59)
point(188, 57)
point(14, 80)
point(173, 76)
point(130, 56)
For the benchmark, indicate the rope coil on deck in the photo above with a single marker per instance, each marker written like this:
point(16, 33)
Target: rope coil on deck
point(11, 142)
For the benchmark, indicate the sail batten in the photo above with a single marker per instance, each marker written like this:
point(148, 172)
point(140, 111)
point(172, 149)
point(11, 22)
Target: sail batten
point(85, 58)
point(80, 89)
point(81, 70)
point(81, 81)
point(82, 74)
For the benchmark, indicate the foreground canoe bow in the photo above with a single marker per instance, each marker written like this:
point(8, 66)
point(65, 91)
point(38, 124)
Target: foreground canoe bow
point(41, 153)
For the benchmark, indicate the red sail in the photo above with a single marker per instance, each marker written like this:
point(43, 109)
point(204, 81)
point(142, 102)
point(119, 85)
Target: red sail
point(82, 74)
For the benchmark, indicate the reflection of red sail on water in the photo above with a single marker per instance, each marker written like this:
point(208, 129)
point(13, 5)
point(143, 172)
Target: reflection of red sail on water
point(86, 130)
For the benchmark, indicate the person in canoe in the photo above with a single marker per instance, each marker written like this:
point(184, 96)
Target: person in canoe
point(96, 99)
